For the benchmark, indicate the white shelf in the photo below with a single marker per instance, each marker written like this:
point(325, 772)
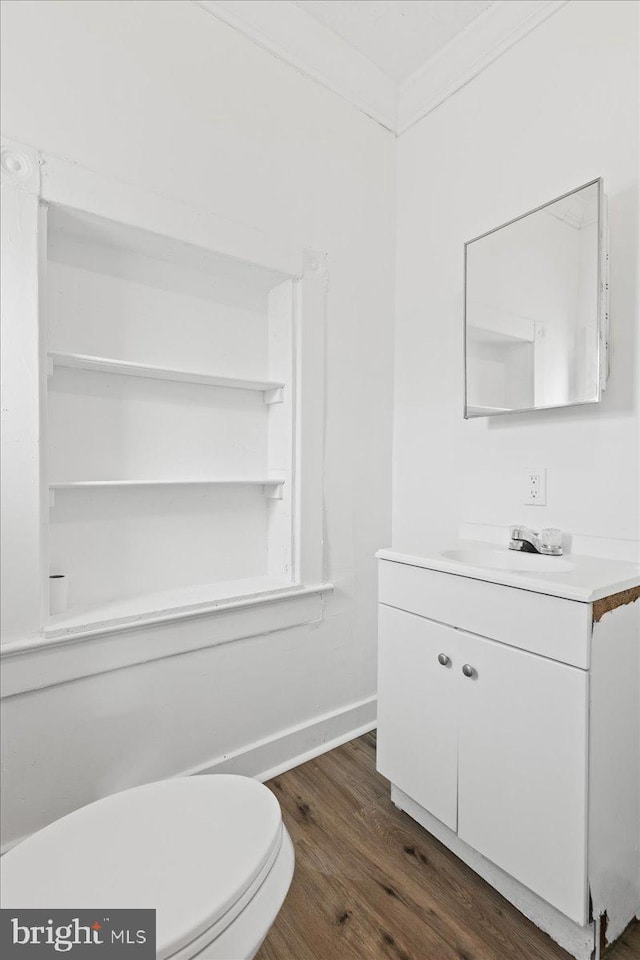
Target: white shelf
point(72, 484)
point(272, 489)
point(76, 361)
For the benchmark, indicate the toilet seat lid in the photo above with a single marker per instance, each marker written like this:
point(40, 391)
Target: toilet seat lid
point(188, 847)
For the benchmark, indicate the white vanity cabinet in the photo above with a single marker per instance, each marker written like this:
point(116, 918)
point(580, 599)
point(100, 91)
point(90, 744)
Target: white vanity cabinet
point(498, 756)
point(493, 739)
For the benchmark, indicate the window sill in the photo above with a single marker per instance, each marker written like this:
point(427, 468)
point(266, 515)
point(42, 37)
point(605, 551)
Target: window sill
point(132, 632)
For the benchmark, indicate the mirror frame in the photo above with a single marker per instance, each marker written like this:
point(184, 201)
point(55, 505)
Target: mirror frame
point(602, 307)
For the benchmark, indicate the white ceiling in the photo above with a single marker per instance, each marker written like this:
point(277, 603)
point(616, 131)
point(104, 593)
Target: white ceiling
point(397, 35)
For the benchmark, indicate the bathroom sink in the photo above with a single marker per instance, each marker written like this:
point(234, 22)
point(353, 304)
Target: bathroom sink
point(574, 577)
point(507, 560)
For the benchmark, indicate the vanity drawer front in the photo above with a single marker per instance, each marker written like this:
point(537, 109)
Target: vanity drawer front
point(550, 626)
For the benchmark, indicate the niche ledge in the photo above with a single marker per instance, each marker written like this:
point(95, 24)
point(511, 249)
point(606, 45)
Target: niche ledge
point(79, 645)
point(153, 608)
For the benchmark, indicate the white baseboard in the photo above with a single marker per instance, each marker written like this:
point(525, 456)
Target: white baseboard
point(271, 756)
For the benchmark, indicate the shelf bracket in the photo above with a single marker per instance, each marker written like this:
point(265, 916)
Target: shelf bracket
point(273, 491)
point(52, 497)
point(49, 366)
point(273, 395)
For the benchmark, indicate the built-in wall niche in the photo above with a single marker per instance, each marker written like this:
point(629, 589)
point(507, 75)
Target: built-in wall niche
point(169, 422)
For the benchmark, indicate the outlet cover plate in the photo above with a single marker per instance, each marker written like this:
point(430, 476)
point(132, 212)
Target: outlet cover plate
point(535, 491)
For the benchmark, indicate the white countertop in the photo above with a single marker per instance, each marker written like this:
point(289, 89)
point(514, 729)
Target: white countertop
point(571, 576)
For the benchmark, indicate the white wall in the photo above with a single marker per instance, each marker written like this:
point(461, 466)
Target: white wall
point(557, 110)
point(162, 95)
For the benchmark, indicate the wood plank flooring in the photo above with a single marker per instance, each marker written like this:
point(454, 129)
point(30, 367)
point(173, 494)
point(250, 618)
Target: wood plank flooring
point(370, 884)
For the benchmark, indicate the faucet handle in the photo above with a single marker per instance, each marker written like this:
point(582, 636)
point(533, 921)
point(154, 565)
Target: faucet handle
point(519, 531)
point(551, 538)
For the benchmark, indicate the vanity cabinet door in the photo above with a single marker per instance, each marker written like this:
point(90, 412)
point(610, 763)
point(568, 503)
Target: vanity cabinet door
point(523, 768)
point(417, 709)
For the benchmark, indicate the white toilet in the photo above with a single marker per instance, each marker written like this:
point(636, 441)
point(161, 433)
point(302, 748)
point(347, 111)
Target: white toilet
point(209, 853)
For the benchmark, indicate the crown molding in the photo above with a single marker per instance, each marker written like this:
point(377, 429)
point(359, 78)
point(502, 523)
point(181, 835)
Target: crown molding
point(293, 36)
point(296, 38)
point(494, 32)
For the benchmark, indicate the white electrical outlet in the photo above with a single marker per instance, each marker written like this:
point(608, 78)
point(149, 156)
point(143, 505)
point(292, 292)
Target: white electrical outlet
point(536, 487)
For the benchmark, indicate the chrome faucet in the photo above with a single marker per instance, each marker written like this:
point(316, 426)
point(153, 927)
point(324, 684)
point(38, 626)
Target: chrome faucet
point(548, 541)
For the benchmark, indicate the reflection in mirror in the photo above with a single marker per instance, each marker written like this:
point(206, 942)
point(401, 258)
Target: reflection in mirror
point(532, 309)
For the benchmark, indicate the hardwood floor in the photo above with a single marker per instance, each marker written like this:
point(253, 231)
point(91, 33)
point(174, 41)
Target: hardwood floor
point(370, 884)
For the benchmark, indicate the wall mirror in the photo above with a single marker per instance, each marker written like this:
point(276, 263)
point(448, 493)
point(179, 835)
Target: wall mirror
point(536, 312)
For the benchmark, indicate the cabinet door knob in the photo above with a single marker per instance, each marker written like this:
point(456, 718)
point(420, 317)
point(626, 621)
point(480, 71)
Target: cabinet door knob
point(443, 659)
point(468, 670)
